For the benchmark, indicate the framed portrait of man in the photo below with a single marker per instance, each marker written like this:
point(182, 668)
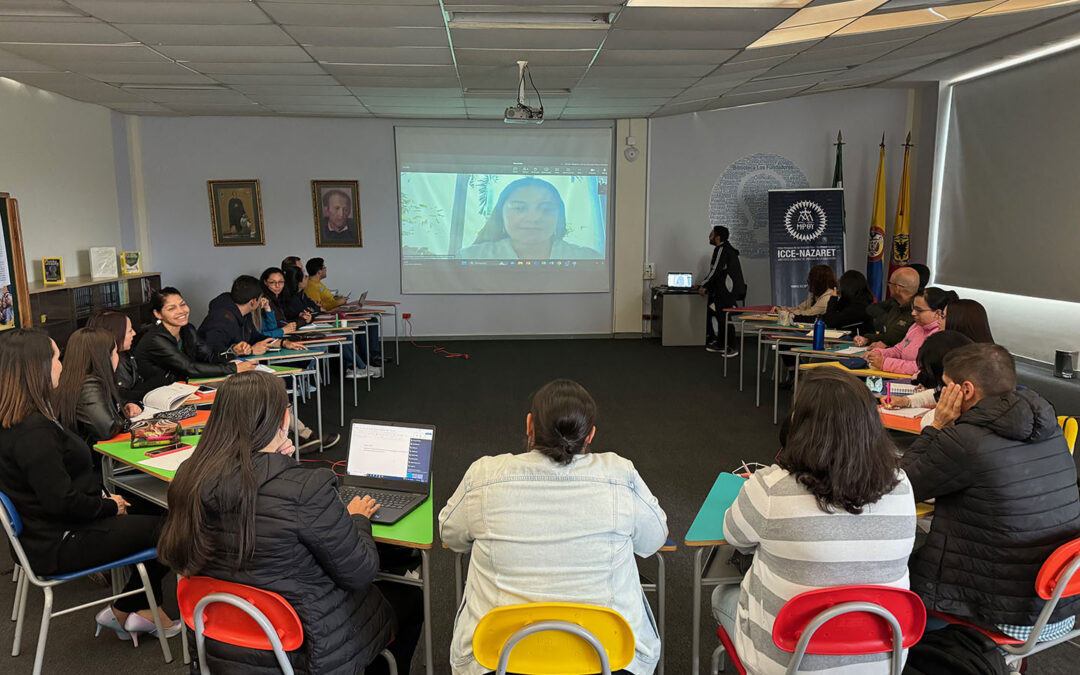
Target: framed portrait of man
point(336, 206)
point(236, 212)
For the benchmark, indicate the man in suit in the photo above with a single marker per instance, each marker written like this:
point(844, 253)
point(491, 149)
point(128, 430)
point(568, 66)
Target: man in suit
point(721, 293)
point(336, 225)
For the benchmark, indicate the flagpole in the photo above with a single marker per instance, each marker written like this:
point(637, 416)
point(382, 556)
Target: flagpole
point(838, 182)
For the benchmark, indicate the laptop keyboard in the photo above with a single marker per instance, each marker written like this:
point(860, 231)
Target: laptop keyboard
point(390, 500)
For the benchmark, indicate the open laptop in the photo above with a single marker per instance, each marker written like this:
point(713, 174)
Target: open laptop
point(680, 281)
point(391, 461)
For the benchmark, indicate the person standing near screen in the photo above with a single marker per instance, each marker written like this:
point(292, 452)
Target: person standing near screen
point(723, 266)
point(527, 223)
point(336, 225)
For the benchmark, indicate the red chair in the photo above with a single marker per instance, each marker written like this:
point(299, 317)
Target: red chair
point(242, 616)
point(1057, 579)
point(845, 620)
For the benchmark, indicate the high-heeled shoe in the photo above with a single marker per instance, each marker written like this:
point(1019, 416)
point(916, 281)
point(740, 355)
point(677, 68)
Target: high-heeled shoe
point(136, 624)
point(106, 618)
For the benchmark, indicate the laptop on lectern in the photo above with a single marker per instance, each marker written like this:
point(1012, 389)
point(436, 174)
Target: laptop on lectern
point(680, 281)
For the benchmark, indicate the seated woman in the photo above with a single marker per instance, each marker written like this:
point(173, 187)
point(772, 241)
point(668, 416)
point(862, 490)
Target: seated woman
point(848, 308)
point(931, 363)
point(47, 472)
point(87, 400)
point(927, 308)
point(129, 381)
point(242, 486)
point(556, 523)
point(821, 285)
point(172, 350)
point(968, 317)
point(834, 510)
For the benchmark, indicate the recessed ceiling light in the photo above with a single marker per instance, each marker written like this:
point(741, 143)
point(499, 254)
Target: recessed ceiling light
point(783, 36)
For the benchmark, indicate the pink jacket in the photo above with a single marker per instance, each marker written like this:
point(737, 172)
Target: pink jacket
point(901, 357)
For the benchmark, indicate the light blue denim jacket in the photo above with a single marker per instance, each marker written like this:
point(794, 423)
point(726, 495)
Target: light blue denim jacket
point(541, 532)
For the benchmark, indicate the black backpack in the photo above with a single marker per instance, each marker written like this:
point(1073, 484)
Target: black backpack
point(955, 650)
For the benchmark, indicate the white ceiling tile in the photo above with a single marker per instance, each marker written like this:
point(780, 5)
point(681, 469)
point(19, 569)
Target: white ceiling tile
point(42, 9)
point(668, 18)
point(763, 53)
point(488, 77)
point(632, 82)
point(222, 110)
point(407, 82)
point(347, 111)
point(275, 80)
point(591, 102)
point(403, 71)
point(161, 67)
point(77, 87)
point(536, 58)
point(787, 82)
point(670, 57)
point(405, 92)
point(861, 39)
point(694, 71)
point(656, 92)
point(141, 108)
point(83, 56)
point(257, 90)
point(341, 36)
point(537, 5)
point(336, 101)
point(56, 32)
point(128, 78)
point(195, 96)
point(680, 39)
point(229, 54)
point(430, 56)
point(211, 13)
point(173, 34)
point(523, 38)
point(363, 16)
point(13, 63)
point(307, 68)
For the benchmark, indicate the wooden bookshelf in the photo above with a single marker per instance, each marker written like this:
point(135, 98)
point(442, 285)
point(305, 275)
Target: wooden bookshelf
point(62, 309)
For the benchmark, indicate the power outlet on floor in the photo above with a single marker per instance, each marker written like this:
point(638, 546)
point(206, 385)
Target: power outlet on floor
point(650, 271)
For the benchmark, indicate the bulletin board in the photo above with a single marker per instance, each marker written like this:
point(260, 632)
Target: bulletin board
point(14, 291)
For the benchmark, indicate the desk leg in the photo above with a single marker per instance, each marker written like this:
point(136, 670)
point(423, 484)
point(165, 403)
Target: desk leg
point(341, 388)
point(428, 661)
point(725, 339)
point(295, 417)
point(776, 383)
point(758, 361)
point(367, 350)
point(695, 635)
point(795, 384)
point(318, 402)
point(382, 340)
point(397, 342)
point(661, 597)
point(742, 352)
point(353, 334)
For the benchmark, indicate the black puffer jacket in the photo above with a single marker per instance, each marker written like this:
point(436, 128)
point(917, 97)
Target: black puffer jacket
point(163, 359)
point(1006, 498)
point(309, 550)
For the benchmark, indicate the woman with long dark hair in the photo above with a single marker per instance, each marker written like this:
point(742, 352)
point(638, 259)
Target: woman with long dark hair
point(270, 317)
point(242, 485)
point(968, 317)
point(87, 400)
point(527, 223)
point(129, 382)
point(296, 304)
point(558, 522)
point(848, 308)
point(931, 363)
point(821, 288)
point(47, 472)
point(927, 308)
point(834, 510)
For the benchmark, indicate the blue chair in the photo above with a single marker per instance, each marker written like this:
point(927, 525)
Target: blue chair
point(13, 527)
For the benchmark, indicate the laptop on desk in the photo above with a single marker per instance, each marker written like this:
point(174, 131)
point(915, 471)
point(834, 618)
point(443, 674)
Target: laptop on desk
point(679, 282)
point(391, 461)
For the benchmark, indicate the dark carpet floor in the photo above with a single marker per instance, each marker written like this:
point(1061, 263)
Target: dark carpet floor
point(667, 409)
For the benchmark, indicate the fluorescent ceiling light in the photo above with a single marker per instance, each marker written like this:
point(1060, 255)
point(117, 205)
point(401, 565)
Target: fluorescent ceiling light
point(783, 36)
point(831, 12)
point(732, 4)
point(564, 20)
point(1026, 57)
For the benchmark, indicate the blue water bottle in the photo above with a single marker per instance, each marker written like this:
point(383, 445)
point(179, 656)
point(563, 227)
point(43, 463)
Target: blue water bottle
point(819, 335)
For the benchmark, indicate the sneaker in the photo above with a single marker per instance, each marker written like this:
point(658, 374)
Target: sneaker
point(714, 347)
point(309, 442)
point(358, 374)
point(376, 360)
point(330, 440)
point(376, 371)
point(731, 352)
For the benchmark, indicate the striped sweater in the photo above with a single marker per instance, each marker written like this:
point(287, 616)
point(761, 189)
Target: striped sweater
point(798, 547)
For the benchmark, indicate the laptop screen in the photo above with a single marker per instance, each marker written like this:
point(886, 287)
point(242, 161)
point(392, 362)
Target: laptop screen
point(390, 452)
point(680, 279)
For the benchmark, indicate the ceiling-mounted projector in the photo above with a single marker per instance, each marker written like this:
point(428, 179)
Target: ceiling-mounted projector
point(521, 112)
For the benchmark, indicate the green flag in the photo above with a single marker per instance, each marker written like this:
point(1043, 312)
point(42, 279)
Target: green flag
point(838, 175)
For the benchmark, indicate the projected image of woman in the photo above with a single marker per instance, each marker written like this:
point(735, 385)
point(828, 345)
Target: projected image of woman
point(528, 223)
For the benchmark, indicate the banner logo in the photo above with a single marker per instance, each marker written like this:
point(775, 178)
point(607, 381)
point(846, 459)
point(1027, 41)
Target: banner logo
point(876, 245)
point(805, 220)
point(900, 248)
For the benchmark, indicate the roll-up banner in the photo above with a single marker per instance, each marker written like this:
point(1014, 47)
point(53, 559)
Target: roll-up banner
point(806, 228)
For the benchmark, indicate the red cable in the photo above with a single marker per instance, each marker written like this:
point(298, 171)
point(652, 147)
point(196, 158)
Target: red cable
point(327, 461)
point(435, 349)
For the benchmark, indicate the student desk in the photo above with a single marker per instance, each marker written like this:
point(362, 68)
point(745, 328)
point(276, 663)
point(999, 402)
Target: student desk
point(859, 372)
point(762, 323)
point(416, 530)
point(731, 312)
point(279, 371)
point(350, 324)
point(317, 354)
point(394, 308)
point(792, 340)
point(908, 425)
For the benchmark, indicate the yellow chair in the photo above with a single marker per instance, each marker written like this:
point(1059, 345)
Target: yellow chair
point(553, 638)
point(1070, 426)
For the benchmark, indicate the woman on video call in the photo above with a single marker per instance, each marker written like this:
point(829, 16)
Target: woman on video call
point(528, 223)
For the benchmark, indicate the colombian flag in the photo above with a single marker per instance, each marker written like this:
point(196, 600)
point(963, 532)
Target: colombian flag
point(902, 225)
point(875, 264)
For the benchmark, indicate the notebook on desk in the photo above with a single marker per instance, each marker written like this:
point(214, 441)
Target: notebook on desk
point(390, 461)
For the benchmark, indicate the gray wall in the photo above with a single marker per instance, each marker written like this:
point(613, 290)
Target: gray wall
point(689, 152)
point(180, 154)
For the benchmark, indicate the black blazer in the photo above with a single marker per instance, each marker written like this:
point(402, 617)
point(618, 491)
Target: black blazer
point(845, 313)
point(98, 417)
point(163, 359)
point(300, 303)
point(317, 556)
point(48, 473)
point(727, 266)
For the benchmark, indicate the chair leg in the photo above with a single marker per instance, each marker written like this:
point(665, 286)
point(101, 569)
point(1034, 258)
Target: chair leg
point(23, 589)
point(390, 661)
point(43, 634)
point(183, 635)
point(165, 651)
point(718, 660)
point(19, 581)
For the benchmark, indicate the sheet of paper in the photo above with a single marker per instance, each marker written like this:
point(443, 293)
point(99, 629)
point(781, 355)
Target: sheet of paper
point(853, 351)
point(264, 368)
point(831, 334)
point(147, 413)
point(908, 412)
point(314, 326)
point(169, 462)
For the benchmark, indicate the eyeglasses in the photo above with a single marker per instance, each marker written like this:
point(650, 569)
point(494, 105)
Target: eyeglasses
point(920, 311)
point(893, 283)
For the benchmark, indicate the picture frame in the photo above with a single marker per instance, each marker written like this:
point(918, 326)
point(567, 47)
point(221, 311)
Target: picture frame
point(103, 262)
point(130, 263)
point(335, 205)
point(14, 286)
point(52, 271)
point(236, 212)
